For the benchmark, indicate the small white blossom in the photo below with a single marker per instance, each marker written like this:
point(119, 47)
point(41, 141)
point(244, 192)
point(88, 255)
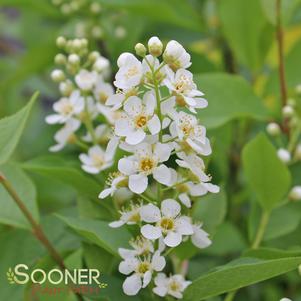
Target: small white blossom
point(130, 216)
point(141, 270)
point(66, 108)
point(86, 80)
point(130, 73)
point(185, 127)
point(173, 285)
point(284, 155)
point(169, 223)
point(141, 247)
point(63, 136)
point(138, 118)
point(115, 181)
point(285, 299)
point(176, 56)
point(295, 193)
point(182, 85)
point(155, 46)
point(97, 159)
point(146, 160)
point(200, 237)
point(101, 64)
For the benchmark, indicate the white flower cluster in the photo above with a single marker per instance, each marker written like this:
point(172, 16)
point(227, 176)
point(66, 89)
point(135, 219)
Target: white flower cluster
point(289, 150)
point(82, 84)
point(157, 127)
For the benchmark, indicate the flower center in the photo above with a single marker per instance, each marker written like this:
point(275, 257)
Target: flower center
point(135, 217)
point(67, 109)
point(132, 72)
point(140, 121)
point(98, 160)
point(147, 164)
point(143, 267)
point(166, 224)
point(102, 97)
point(174, 286)
point(186, 128)
point(183, 84)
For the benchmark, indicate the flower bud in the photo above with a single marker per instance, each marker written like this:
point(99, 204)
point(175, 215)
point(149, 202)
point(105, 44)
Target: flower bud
point(140, 49)
point(73, 59)
point(94, 55)
point(155, 46)
point(284, 155)
point(61, 42)
point(66, 9)
point(120, 32)
point(273, 129)
point(60, 59)
point(76, 44)
point(101, 64)
point(97, 32)
point(57, 75)
point(287, 111)
point(66, 88)
point(295, 193)
point(285, 299)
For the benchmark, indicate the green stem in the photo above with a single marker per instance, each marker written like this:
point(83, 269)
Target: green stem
point(149, 200)
point(255, 245)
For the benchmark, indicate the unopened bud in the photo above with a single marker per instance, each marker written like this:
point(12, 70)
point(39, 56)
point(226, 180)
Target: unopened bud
point(120, 32)
point(94, 55)
point(155, 46)
point(61, 42)
point(295, 193)
point(73, 59)
point(60, 59)
point(273, 129)
point(57, 75)
point(76, 44)
point(95, 8)
point(66, 88)
point(287, 111)
point(284, 155)
point(140, 49)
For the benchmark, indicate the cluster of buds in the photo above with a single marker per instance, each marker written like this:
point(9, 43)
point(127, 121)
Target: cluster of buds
point(288, 137)
point(156, 125)
point(82, 78)
point(68, 7)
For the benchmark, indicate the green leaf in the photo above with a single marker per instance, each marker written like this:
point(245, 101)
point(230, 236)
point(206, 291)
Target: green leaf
point(211, 210)
point(266, 174)
point(176, 12)
point(229, 97)
point(11, 129)
point(237, 274)
point(99, 233)
point(10, 213)
point(247, 30)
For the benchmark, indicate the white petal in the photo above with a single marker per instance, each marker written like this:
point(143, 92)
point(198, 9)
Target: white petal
point(184, 198)
point(147, 279)
point(135, 137)
point(105, 193)
point(173, 239)
point(126, 253)
point(200, 238)
point(162, 174)
point(133, 106)
point(160, 291)
point(128, 266)
point(212, 188)
point(162, 151)
point(151, 232)
point(158, 262)
point(52, 119)
point(132, 285)
point(126, 166)
point(116, 224)
point(150, 213)
point(138, 183)
point(170, 208)
point(183, 226)
point(154, 125)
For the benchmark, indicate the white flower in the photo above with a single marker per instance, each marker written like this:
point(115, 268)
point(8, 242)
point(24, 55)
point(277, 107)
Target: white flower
point(152, 61)
point(130, 73)
point(285, 299)
point(173, 285)
point(98, 159)
point(182, 85)
point(102, 64)
point(138, 117)
point(169, 223)
point(101, 133)
point(155, 46)
point(273, 129)
point(146, 161)
point(200, 237)
point(67, 108)
point(63, 136)
point(141, 270)
point(141, 247)
point(102, 91)
point(295, 193)
point(176, 56)
point(115, 181)
point(129, 217)
point(185, 127)
point(284, 155)
point(86, 80)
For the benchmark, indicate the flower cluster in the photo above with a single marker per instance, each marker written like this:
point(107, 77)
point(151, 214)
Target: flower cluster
point(82, 83)
point(156, 125)
point(289, 144)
